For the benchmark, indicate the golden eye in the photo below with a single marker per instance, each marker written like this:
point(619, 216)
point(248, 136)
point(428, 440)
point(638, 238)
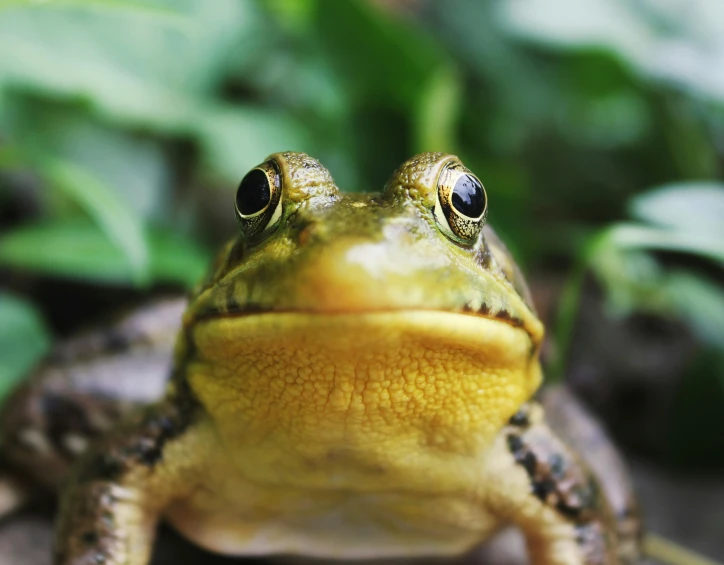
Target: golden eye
point(461, 205)
point(258, 199)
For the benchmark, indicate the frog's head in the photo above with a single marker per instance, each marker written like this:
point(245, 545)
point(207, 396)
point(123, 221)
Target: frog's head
point(396, 302)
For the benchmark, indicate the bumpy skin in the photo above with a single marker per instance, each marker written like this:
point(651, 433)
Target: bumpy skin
point(348, 384)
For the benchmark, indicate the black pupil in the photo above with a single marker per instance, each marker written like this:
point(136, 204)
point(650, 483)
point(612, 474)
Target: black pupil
point(468, 196)
point(253, 193)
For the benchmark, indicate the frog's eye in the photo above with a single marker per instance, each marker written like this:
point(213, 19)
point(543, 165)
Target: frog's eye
point(258, 199)
point(461, 205)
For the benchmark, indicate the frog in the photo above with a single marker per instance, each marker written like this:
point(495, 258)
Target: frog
point(357, 377)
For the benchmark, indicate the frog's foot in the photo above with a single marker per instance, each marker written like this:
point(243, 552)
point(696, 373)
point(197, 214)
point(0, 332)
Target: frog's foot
point(546, 490)
point(110, 509)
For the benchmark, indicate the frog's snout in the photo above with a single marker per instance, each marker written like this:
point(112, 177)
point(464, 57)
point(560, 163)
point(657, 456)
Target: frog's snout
point(354, 274)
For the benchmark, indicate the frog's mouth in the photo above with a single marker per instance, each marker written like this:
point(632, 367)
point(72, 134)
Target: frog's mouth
point(528, 323)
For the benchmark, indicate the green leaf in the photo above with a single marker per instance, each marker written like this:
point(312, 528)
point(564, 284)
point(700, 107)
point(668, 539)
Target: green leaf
point(103, 206)
point(438, 111)
point(161, 78)
point(176, 259)
point(234, 139)
point(23, 340)
point(635, 236)
point(165, 15)
point(295, 14)
point(383, 59)
point(134, 167)
point(656, 38)
point(696, 207)
point(700, 303)
point(635, 281)
point(80, 250)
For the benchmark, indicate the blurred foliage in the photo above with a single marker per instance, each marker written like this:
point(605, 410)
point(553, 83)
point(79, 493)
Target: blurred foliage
point(686, 219)
point(126, 124)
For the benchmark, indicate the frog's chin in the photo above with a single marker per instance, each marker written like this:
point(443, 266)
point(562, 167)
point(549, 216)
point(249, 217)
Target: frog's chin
point(337, 379)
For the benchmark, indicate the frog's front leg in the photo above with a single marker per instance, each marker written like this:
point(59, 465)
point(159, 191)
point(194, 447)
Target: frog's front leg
point(542, 486)
point(111, 506)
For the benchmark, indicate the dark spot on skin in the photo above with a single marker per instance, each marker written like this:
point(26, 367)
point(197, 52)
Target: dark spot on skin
point(507, 317)
point(515, 444)
point(167, 425)
point(150, 456)
point(528, 461)
point(557, 466)
point(89, 538)
point(543, 489)
point(553, 479)
point(64, 417)
point(503, 315)
point(101, 467)
point(483, 309)
point(161, 429)
point(61, 410)
point(568, 511)
point(520, 419)
point(146, 448)
point(522, 456)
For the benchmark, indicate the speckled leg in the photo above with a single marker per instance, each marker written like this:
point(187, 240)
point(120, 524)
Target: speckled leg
point(573, 423)
point(105, 523)
point(110, 508)
point(84, 387)
point(549, 492)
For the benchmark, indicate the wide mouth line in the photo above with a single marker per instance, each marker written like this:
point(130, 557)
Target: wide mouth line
point(502, 316)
